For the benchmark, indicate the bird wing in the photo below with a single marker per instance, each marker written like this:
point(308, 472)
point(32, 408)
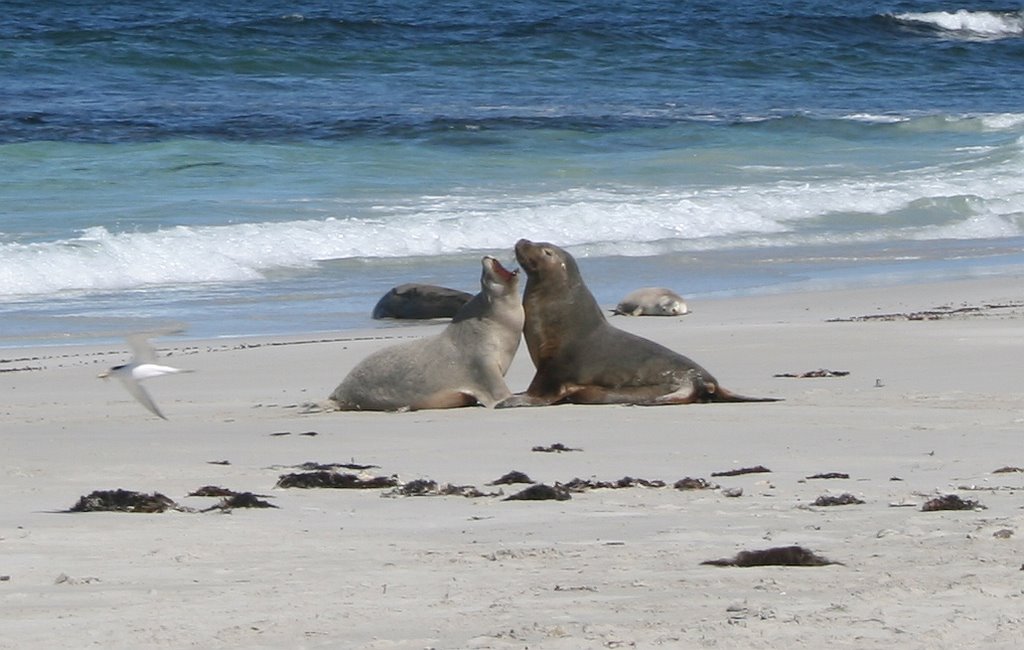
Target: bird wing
point(140, 394)
point(142, 349)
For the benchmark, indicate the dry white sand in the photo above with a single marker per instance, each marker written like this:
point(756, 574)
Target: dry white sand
point(930, 407)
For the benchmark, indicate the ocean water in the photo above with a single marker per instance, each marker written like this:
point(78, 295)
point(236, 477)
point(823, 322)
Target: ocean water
point(259, 168)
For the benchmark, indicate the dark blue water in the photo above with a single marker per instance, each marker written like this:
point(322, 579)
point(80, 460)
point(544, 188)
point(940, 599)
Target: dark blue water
point(261, 168)
point(397, 70)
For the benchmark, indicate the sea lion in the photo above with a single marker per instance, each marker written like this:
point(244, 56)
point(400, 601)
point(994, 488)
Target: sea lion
point(581, 358)
point(420, 301)
point(463, 365)
point(652, 301)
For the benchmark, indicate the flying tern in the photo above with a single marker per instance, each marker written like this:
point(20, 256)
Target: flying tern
point(142, 366)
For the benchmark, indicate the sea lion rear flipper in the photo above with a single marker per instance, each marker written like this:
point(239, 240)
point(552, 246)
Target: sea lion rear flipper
point(522, 399)
point(723, 395)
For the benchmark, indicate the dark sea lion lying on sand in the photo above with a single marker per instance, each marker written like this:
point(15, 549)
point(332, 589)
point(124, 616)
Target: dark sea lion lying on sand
point(420, 301)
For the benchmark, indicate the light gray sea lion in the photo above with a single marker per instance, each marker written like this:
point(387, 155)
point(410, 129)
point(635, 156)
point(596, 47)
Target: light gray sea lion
point(420, 301)
point(652, 301)
point(581, 358)
point(463, 365)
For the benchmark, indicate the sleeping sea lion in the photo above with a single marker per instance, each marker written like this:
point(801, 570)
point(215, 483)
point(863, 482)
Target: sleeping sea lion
point(580, 358)
point(420, 301)
point(463, 365)
point(652, 301)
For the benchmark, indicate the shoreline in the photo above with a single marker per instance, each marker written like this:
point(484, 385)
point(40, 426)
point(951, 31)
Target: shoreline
point(930, 407)
point(788, 294)
point(698, 276)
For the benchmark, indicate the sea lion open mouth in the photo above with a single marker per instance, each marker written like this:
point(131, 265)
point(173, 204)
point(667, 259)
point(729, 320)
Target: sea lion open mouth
point(502, 272)
point(464, 364)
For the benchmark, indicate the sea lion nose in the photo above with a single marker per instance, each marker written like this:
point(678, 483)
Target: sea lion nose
point(522, 246)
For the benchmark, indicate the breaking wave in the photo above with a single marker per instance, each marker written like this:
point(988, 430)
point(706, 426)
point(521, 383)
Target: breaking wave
point(969, 24)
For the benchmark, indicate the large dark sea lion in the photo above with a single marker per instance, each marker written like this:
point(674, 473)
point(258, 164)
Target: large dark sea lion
point(463, 365)
point(420, 301)
point(580, 358)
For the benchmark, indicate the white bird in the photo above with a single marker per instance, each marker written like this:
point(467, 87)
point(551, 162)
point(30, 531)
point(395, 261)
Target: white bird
point(142, 366)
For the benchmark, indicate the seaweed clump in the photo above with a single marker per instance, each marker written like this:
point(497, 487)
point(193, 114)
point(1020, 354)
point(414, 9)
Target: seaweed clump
point(757, 469)
point(693, 484)
point(541, 492)
point(425, 487)
point(241, 500)
point(777, 556)
point(512, 477)
point(123, 501)
point(846, 499)
point(949, 502)
point(329, 479)
point(582, 485)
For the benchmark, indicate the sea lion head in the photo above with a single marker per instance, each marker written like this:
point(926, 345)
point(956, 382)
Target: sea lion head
point(559, 307)
point(548, 264)
point(496, 280)
point(672, 307)
point(499, 295)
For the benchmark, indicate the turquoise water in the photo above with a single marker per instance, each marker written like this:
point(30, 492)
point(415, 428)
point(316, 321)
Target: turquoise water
point(249, 170)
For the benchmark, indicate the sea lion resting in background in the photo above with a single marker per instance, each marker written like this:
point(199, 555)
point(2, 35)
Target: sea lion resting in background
point(652, 301)
point(420, 301)
point(463, 365)
point(581, 358)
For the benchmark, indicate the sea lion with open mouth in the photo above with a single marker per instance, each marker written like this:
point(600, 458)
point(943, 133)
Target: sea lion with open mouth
point(462, 366)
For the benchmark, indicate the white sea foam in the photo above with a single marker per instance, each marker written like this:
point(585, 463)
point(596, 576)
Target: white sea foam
point(965, 122)
point(872, 118)
point(922, 204)
point(986, 226)
point(1003, 121)
point(970, 24)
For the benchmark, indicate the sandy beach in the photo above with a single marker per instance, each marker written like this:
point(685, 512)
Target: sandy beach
point(933, 405)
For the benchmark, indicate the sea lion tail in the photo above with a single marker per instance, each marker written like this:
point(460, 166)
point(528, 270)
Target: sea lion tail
point(719, 394)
